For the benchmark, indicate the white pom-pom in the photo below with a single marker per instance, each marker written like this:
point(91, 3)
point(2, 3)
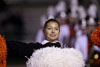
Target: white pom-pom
point(56, 57)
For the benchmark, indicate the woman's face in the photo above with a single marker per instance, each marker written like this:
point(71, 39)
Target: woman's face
point(52, 31)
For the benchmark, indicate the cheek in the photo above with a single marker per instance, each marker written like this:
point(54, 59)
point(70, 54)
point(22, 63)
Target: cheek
point(47, 32)
point(57, 33)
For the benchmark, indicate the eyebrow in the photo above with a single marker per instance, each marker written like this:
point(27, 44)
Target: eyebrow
point(51, 26)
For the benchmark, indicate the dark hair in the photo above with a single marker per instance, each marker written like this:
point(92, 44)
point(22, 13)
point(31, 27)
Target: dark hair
point(50, 20)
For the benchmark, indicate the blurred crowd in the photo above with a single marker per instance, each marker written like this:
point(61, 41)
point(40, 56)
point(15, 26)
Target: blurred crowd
point(76, 25)
point(10, 22)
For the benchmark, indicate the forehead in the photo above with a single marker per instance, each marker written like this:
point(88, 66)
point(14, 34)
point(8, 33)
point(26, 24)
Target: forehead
point(52, 23)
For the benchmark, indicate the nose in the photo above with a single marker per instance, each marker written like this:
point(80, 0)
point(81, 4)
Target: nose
point(53, 31)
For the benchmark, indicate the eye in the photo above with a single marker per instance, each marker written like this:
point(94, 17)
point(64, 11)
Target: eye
point(56, 28)
point(49, 28)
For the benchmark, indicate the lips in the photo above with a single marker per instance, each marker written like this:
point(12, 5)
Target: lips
point(52, 35)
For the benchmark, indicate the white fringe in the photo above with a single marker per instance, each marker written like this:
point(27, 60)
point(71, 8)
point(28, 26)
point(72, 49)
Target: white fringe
point(56, 57)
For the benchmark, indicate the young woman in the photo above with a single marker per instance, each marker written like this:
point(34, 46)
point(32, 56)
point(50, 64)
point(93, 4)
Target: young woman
point(51, 32)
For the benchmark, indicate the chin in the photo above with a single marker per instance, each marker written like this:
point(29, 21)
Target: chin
point(53, 39)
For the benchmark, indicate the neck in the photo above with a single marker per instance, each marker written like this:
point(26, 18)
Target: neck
point(52, 41)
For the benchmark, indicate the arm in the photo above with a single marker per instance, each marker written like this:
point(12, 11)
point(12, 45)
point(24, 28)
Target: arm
point(22, 49)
